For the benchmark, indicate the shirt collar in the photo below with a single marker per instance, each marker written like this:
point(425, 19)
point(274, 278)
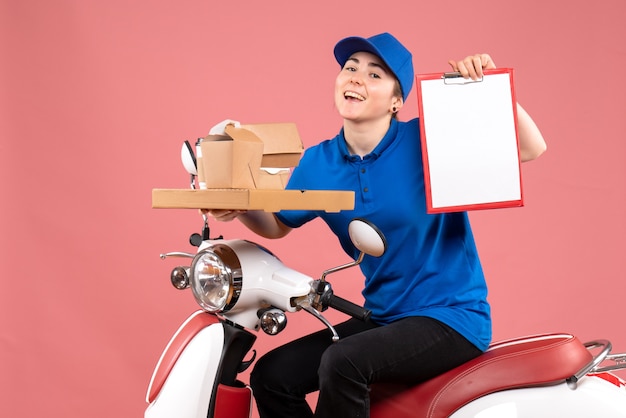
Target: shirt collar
point(380, 148)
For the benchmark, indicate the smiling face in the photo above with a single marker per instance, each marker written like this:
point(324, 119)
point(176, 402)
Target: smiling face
point(365, 89)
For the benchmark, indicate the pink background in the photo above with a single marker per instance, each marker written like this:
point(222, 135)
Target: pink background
point(97, 98)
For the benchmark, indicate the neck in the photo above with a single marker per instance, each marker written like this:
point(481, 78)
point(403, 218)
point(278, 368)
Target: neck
point(363, 137)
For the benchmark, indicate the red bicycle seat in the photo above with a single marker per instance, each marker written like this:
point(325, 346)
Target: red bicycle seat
point(523, 362)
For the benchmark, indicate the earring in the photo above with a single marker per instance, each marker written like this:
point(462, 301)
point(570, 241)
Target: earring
point(394, 109)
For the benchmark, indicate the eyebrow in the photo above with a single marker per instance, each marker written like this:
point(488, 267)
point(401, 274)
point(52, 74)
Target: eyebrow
point(371, 64)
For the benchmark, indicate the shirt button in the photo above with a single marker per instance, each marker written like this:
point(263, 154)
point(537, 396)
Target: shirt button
point(362, 170)
point(366, 189)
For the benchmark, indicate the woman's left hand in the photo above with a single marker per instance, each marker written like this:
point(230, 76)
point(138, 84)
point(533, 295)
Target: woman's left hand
point(472, 66)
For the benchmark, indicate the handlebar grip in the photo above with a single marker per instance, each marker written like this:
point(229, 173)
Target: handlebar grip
point(349, 308)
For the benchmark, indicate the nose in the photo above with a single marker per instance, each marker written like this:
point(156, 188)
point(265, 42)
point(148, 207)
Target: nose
point(355, 79)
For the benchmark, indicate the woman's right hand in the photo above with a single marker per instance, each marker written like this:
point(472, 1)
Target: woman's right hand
point(223, 215)
point(262, 223)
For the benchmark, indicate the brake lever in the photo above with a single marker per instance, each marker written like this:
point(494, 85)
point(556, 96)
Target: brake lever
point(305, 305)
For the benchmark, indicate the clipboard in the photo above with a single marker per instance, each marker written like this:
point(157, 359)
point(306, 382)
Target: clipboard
point(470, 145)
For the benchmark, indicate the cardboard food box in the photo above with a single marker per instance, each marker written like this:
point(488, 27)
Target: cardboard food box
point(253, 199)
point(253, 156)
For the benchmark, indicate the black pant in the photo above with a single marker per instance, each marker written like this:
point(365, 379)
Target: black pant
point(410, 351)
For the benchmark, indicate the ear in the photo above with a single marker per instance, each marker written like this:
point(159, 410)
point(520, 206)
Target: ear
point(397, 103)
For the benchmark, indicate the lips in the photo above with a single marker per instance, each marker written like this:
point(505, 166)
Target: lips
point(353, 95)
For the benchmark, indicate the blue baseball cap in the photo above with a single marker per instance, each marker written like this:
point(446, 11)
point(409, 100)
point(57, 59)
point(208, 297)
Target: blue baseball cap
point(387, 48)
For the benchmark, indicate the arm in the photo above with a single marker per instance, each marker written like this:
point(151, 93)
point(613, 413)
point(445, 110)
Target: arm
point(261, 223)
point(531, 142)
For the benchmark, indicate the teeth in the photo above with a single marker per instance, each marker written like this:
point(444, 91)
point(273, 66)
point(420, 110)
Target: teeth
point(353, 95)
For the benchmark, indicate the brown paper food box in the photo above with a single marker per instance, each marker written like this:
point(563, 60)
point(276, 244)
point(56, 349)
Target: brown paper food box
point(237, 160)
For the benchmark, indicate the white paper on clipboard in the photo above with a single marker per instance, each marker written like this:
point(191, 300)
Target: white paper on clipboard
point(469, 142)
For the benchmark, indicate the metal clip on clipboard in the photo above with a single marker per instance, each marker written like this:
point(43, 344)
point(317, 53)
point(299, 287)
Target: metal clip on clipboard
point(455, 77)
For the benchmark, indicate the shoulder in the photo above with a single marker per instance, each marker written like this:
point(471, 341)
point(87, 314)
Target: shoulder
point(408, 134)
point(410, 126)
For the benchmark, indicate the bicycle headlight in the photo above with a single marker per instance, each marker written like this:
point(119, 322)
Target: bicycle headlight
point(215, 278)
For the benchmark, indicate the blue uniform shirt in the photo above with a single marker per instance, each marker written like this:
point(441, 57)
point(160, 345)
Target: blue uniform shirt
point(431, 266)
